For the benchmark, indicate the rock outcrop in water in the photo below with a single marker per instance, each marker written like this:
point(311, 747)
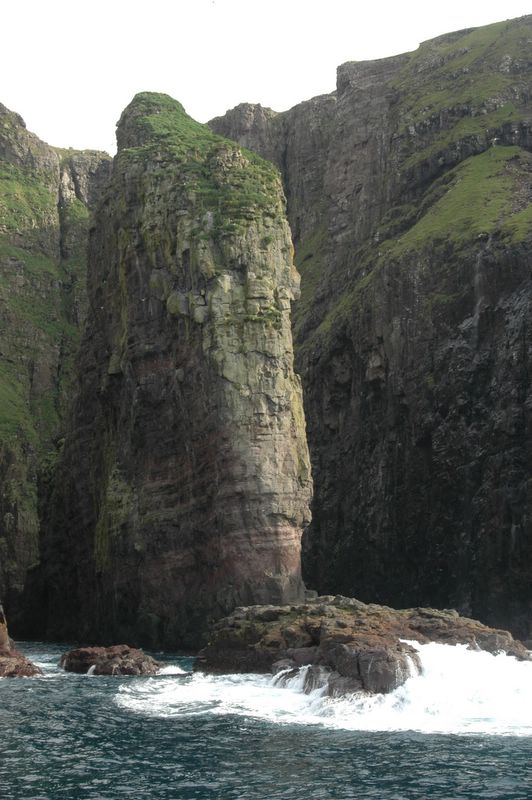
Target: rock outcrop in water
point(409, 196)
point(45, 197)
point(184, 484)
point(342, 643)
point(12, 663)
point(119, 659)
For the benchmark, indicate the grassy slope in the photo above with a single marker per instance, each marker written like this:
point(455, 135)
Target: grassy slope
point(472, 77)
point(453, 88)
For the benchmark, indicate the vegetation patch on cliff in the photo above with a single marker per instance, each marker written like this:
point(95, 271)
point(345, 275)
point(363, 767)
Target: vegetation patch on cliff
point(485, 195)
point(25, 202)
point(466, 68)
point(234, 184)
point(479, 196)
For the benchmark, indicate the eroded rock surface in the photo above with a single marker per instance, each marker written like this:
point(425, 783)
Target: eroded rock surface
point(118, 659)
point(342, 643)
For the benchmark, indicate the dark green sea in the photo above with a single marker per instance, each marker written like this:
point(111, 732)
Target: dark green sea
point(462, 730)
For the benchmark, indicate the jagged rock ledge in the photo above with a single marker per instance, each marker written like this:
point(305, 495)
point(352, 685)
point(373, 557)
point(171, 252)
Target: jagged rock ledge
point(119, 659)
point(343, 643)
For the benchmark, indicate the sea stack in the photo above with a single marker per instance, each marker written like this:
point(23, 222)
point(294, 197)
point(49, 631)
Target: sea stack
point(184, 485)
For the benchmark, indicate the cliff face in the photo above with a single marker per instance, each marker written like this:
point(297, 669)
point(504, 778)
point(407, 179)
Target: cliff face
point(185, 480)
point(44, 200)
point(409, 196)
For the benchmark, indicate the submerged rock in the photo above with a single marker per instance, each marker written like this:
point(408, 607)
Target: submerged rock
point(120, 659)
point(342, 643)
point(12, 663)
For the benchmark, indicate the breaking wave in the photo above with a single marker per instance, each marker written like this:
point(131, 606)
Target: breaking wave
point(459, 691)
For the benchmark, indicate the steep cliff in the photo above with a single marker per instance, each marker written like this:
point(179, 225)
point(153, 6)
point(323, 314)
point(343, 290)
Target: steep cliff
point(44, 200)
point(185, 480)
point(409, 195)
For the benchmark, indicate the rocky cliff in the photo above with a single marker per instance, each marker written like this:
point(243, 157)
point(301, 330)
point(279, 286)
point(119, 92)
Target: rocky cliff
point(409, 196)
point(45, 195)
point(184, 484)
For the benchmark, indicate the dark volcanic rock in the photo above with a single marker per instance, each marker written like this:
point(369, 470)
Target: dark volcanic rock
point(409, 196)
point(342, 643)
point(12, 663)
point(119, 659)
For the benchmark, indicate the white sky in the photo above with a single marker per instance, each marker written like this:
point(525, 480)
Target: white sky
point(69, 67)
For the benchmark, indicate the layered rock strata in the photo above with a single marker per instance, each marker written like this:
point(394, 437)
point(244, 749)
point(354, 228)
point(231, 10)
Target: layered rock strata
point(185, 482)
point(342, 643)
point(45, 197)
point(409, 196)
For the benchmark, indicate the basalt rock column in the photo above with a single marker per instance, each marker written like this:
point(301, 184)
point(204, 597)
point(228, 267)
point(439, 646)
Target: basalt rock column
point(185, 482)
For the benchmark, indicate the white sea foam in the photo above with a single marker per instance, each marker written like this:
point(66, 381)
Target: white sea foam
point(459, 691)
point(171, 669)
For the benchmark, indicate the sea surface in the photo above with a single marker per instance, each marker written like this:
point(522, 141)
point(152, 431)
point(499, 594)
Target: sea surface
point(461, 730)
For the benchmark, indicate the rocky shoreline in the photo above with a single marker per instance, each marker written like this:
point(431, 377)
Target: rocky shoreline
point(342, 643)
point(115, 660)
point(335, 642)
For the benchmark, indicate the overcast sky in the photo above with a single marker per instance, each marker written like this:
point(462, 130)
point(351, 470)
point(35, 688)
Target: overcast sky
point(69, 67)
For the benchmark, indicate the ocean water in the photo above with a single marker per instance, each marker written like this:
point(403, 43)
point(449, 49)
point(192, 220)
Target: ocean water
point(463, 729)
